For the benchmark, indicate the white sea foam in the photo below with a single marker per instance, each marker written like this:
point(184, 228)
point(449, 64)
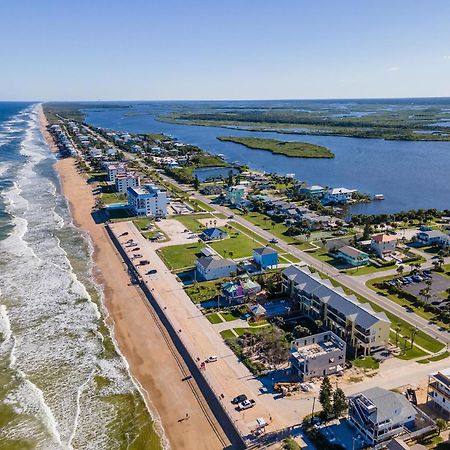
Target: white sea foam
point(5, 324)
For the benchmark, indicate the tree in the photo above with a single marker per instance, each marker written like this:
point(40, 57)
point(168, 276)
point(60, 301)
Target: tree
point(196, 183)
point(300, 331)
point(441, 424)
point(367, 231)
point(400, 270)
point(340, 404)
point(397, 331)
point(325, 397)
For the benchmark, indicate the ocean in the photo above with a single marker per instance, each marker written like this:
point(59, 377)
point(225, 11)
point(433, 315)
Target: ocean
point(63, 384)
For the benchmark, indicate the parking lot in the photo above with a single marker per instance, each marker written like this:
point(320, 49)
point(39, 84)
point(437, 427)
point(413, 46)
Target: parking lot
point(437, 288)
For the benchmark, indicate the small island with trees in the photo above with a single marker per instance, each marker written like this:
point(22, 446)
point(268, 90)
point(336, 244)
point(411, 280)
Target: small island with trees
point(288, 148)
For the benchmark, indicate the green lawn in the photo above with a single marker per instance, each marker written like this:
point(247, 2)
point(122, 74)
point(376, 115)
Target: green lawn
point(258, 324)
point(142, 224)
point(214, 318)
point(227, 334)
point(229, 317)
point(241, 331)
point(265, 222)
point(199, 292)
point(191, 221)
point(236, 246)
point(367, 363)
point(111, 197)
point(201, 205)
point(181, 256)
point(364, 270)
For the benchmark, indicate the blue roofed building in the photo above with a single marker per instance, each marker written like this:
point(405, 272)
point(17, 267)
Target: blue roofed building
point(265, 257)
point(213, 234)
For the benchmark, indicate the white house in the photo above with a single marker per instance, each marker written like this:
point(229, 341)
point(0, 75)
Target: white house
point(126, 180)
point(383, 244)
point(116, 169)
point(148, 200)
point(213, 268)
point(434, 237)
point(438, 396)
point(338, 195)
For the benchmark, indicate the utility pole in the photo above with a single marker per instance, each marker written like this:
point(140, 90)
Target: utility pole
point(312, 412)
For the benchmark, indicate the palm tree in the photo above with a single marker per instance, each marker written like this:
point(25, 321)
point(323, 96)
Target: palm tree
point(414, 331)
point(400, 270)
point(397, 331)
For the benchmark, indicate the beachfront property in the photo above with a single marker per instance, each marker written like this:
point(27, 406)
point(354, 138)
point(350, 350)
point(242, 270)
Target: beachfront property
point(337, 196)
point(352, 256)
point(265, 257)
point(434, 237)
point(148, 200)
point(126, 180)
point(212, 268)
point(235, 194)
point(213, 234)
point(314, 191)
point(380, 415)
point(318, 355)
point(115, 169)
point(438, 393)
point(364, 330)
point(383, 244)
point(240, 291)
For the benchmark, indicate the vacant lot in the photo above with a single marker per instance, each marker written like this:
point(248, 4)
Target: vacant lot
point(181, 256)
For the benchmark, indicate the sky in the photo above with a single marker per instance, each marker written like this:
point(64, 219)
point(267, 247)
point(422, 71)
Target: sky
point(229, 49)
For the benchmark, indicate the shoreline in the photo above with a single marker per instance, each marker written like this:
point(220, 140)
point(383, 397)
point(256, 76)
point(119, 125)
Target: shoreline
point(136, 336)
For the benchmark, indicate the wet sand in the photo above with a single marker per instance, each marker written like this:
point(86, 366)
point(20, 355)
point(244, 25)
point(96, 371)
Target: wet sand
point(150, 357)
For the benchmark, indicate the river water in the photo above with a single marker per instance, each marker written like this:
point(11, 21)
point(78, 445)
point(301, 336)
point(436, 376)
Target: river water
point(411, 175)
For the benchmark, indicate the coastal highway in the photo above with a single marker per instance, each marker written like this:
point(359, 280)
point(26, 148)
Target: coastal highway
point(349, 281)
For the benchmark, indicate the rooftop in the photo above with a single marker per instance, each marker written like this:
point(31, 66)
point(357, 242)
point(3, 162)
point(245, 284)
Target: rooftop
point(264, 251)
point(210, 262)
point(351, 251)
point(384, 238)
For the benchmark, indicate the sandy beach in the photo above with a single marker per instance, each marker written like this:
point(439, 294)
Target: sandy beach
point(151, 359)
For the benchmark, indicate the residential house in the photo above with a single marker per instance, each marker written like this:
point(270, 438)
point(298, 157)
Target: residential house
point(265, 257)
point(126, 180)
point(318, 355)
point(239, 291)
point(213, 234)
point(148, 200)
point(336, 196)
point(380, 415)
point(363, 329)
point(312, 191)
point(213, 268)
point(438, 394)
point(211, 189)
point(383, 244)
point(316, 222)
point(352, 256)
point(434, 237)
point(258, 311)
point(235, 194)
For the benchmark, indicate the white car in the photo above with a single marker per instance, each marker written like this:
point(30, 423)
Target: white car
point(211, 359)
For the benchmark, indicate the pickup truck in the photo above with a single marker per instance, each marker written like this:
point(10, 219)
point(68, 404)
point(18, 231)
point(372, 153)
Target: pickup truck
point(246, 404)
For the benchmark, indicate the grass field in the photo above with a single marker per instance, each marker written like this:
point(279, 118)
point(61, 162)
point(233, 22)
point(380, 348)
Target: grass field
point(109, 198)
point(265, 222)
point(191, 221)
point(236, 246)
point(286, 148)
point(214, 318)
point(177, 257)
point(367, 363)
point(200, 292)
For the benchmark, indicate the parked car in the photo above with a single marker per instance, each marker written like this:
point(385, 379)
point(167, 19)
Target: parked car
point(144, 262)
point(274, 241)
point(426, 272)
point(135, 249)
point(152, 271)
point(239, 399)
point(211, 359)
point(417, 278)
point(246, 404)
